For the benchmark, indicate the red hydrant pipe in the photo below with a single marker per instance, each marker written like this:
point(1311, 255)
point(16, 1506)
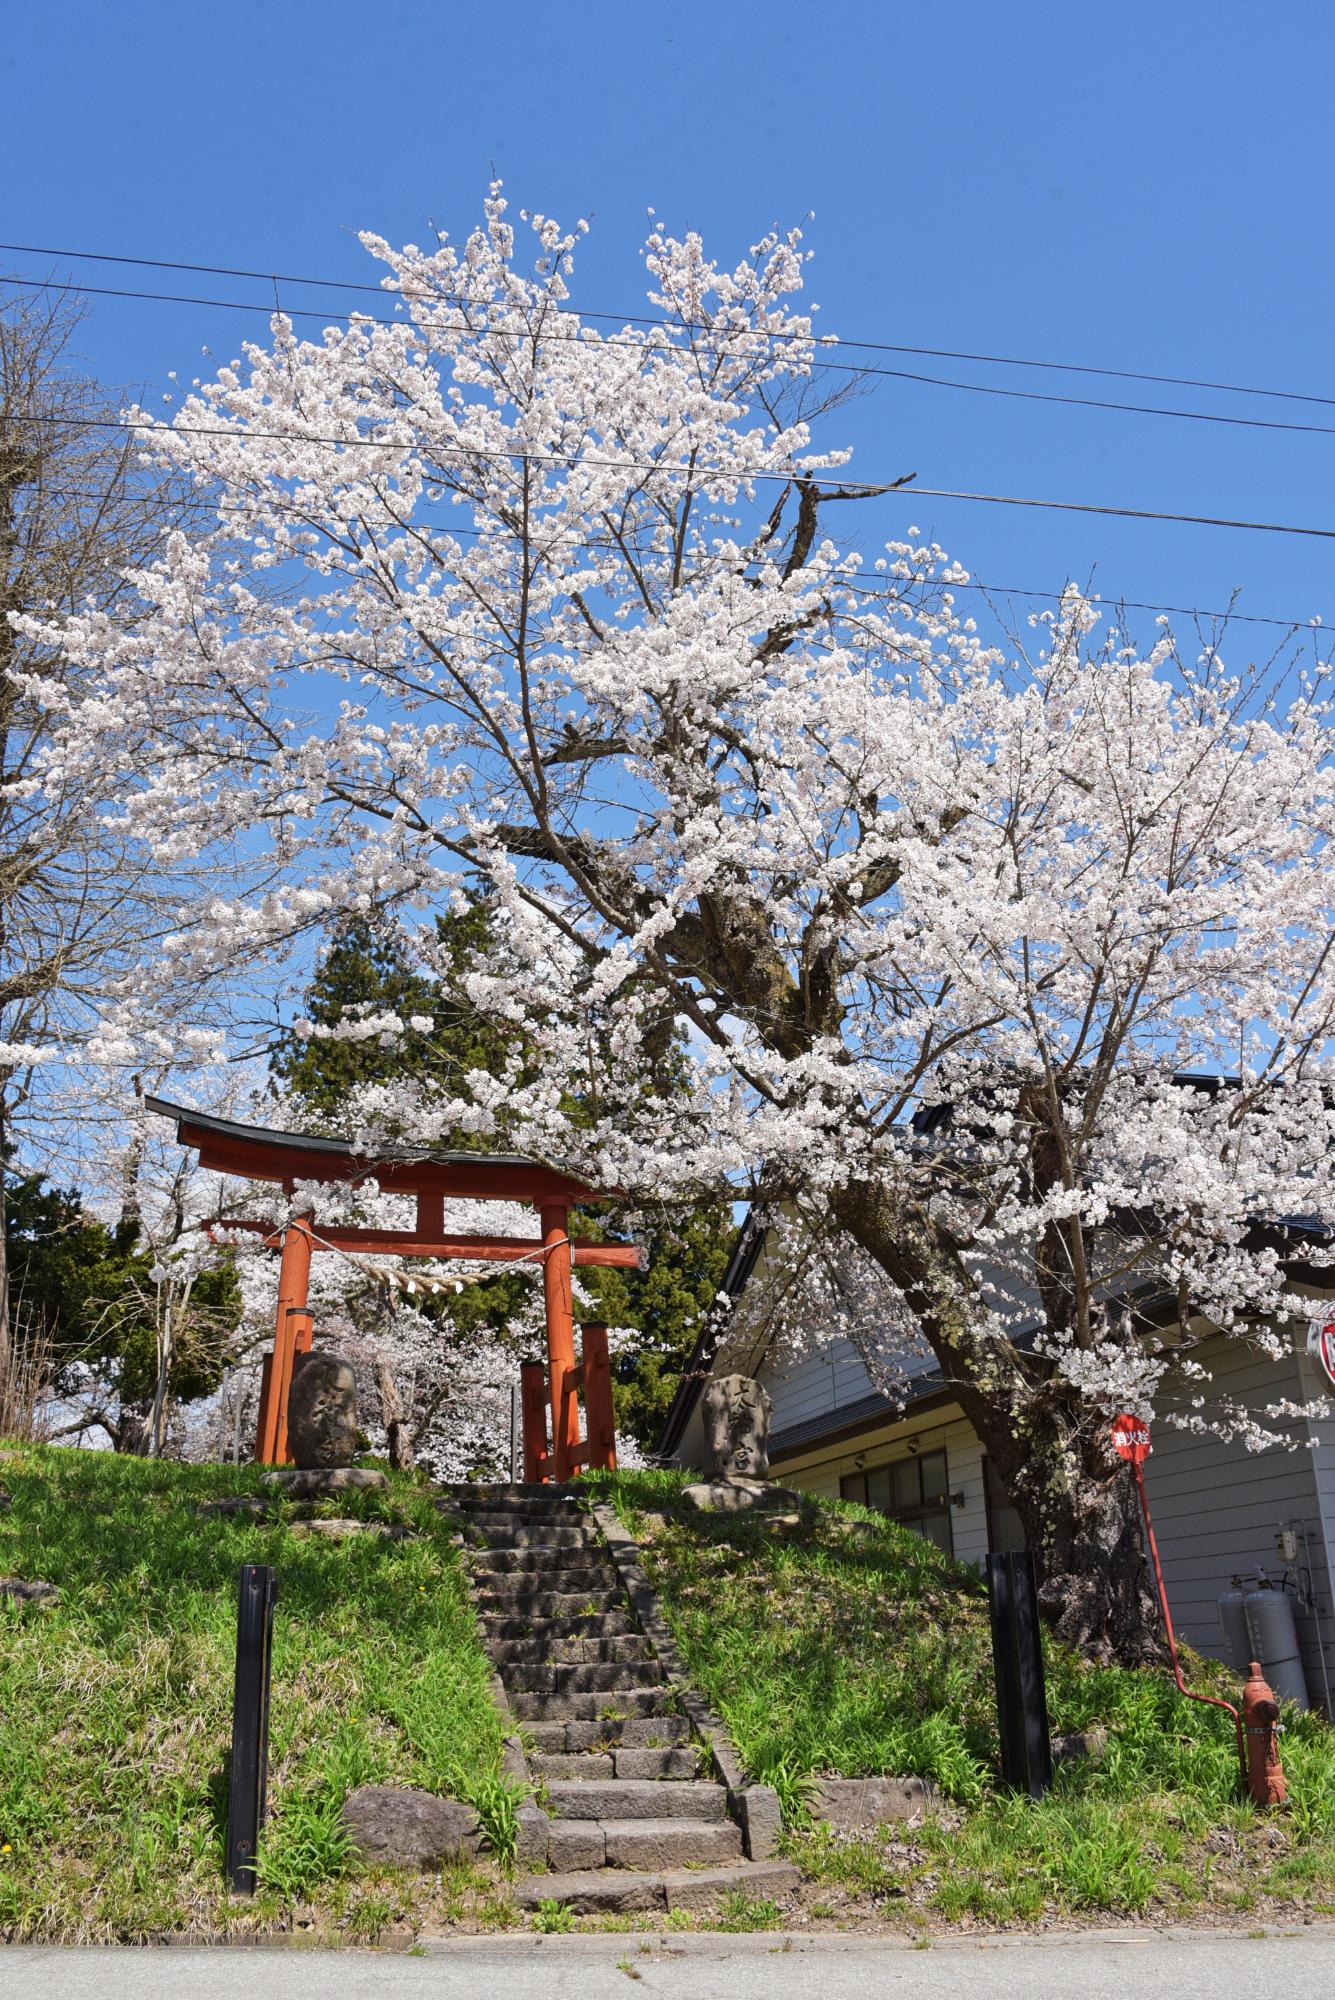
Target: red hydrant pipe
point(1191, 1694)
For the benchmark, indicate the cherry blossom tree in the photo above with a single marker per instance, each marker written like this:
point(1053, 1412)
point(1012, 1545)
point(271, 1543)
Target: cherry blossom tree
point(499, 594)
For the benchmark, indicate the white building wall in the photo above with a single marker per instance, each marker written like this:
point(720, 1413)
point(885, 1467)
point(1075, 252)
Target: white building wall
point(820, 1469)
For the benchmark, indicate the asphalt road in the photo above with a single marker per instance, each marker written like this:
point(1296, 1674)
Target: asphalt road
point(1097, 1966)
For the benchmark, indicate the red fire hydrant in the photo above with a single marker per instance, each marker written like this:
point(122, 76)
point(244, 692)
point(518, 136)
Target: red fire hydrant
point(1260, 1715)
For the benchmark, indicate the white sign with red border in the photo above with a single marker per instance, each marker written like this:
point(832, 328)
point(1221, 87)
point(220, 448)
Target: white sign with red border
point(1321, 1346)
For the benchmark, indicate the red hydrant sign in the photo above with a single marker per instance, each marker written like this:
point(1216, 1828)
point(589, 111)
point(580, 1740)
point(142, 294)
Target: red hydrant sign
point(1131, 1439)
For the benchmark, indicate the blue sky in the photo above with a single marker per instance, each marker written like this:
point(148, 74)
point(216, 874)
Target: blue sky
point(1133, 186)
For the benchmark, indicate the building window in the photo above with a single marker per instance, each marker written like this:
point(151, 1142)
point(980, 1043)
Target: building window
point(913, 1492)
point(1004, 1530)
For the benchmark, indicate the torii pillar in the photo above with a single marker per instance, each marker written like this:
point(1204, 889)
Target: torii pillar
point(293, 1333)
point(558, 1299)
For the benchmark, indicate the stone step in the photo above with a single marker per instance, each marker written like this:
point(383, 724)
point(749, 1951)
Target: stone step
point(548, 1764)
point(636, 1798)
point(641, 1843)
point(610, 1891)
point(675, 1765)
point(570, 1705)
point(541, 1559)
point(599, 1677)
point(536, 1535)
point(497, 1493)
point(517, 1600)
point(569, 1652)
point(640, 1732)
point(595, 1626)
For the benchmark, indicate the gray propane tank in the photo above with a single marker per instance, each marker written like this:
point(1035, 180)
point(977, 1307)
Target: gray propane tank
point(1274, 1642)
point(1233, 1625)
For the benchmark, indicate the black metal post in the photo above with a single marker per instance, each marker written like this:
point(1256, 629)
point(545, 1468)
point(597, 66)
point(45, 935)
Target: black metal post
point(250, 1723)
point(1017, 1655)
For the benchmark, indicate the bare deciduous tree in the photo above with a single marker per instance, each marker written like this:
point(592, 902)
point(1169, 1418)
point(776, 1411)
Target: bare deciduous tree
point(78, 514)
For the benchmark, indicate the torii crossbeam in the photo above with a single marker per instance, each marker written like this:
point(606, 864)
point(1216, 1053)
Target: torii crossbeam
point(284, 1158)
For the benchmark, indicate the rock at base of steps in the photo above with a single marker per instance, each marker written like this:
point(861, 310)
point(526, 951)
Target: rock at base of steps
point(29, 1590)
point(313, 1482)
point(1081, 1745)
point(346, 1531)
point(608, 1891)
point(849, 1803)
point(397, 1826)
point(238, 1503)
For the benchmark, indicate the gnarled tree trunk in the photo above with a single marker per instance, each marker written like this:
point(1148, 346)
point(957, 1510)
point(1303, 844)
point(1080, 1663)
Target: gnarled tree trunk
point(1075, 1498)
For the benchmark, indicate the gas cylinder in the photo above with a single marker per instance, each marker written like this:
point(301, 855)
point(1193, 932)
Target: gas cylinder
point(1233, 1625)
point(1274, 1642)
point(1260, 1715)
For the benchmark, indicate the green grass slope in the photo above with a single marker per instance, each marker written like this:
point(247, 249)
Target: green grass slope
point(848, 1646)
point(115, 1704)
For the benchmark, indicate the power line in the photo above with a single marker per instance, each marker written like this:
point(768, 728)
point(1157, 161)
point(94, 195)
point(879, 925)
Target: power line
point(645, 319)
point(1016, 592)
point(742, 475)
point(860, 369)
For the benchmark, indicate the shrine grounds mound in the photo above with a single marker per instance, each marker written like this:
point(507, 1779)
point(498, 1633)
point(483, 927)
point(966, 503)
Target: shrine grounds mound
point(839, 1644)
point(846, 1645)
point(116, 1704)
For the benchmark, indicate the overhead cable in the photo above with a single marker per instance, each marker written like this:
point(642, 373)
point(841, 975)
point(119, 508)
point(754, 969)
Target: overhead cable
point(861, 369)
point(645, 319)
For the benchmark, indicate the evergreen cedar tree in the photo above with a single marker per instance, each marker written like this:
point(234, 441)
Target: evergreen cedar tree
point(368, 966)
point(491, 597)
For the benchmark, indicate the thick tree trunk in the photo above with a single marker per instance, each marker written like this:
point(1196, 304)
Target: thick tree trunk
point(1081, 1518)
point(131, 1431)
point(1077, 1501)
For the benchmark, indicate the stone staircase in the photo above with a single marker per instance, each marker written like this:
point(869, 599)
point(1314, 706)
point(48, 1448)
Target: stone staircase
point(637, 1819)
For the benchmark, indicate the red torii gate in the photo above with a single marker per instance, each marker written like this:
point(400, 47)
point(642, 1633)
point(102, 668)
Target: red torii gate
point(255, 1153)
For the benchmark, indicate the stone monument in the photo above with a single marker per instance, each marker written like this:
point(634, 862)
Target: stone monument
point(322, 1411)
point(737, 1414)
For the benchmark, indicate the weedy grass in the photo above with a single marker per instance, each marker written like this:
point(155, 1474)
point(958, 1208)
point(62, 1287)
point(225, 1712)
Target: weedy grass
point(553, 1917)
point(847, 1645)
point(115, 1703)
